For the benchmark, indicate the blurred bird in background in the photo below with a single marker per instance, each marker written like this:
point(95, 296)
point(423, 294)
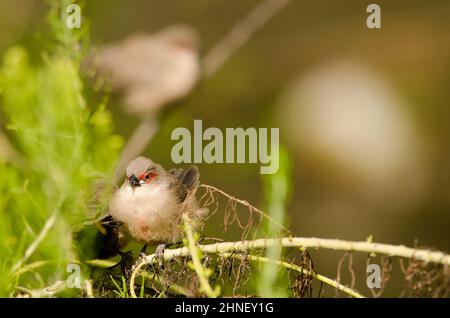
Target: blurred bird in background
point(151, 71)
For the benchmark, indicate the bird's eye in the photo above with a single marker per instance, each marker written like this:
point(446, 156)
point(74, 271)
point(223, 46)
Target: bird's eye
point(147, 176)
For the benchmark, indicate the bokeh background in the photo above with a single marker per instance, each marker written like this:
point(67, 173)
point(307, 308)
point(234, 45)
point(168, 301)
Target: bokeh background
point(363, 113)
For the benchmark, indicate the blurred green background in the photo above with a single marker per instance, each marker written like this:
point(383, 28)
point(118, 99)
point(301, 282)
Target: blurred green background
point(377, 168)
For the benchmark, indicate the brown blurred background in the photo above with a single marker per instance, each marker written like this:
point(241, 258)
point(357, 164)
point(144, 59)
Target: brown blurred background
point(364, 113)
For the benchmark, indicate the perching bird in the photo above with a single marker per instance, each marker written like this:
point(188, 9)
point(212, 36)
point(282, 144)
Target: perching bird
point(148, 207)
point(152, 70)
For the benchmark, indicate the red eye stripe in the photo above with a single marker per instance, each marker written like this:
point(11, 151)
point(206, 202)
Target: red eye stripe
point(147, 176)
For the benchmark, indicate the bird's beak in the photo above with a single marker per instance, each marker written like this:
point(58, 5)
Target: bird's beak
point(134, 182)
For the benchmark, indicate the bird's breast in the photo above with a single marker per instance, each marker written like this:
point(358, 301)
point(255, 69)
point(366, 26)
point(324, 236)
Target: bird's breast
point(150, 212)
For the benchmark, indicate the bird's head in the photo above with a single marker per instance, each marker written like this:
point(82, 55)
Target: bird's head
point(180, 37)
point(143, 172)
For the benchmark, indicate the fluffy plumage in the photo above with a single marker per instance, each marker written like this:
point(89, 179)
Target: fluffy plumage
point(149, 205)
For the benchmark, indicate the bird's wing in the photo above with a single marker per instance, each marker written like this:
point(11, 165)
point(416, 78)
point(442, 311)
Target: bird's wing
point(188, 177)
point(187, 180)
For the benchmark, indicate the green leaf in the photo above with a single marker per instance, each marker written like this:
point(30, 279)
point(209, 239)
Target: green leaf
point(104, 263)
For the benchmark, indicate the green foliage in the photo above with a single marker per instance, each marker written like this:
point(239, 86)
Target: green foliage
point(203, 273)
point(121, 291)
point(70, 42)
point(271, 280)
point(68, 150)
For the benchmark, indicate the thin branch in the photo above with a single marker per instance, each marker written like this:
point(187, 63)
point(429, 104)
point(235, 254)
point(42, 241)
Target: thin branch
point(316, 243)
point(34, 245)
point(134, 274)
point(240, 34)
point(297, 268)
point(246, 204)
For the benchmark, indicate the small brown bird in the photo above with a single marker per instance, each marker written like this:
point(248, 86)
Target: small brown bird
point(152, 70)
point(148, 206)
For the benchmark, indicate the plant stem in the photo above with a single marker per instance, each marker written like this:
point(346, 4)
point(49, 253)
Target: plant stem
point(297, 268)
point(194, 253)
point(34, 245)
point(317, 243)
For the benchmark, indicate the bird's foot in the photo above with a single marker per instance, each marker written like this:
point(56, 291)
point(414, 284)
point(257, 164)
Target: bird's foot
point(159, 253)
